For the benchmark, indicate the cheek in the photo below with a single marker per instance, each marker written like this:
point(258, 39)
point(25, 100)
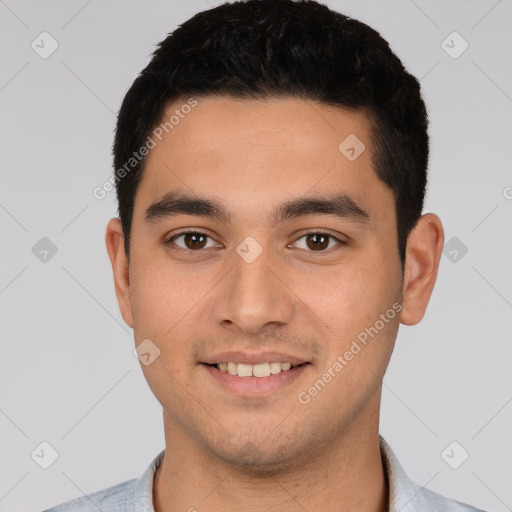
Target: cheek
point(344, 300)
point(358, 325)
point(167, 301)
point(150, 295)
point(161, 294)
point(163, 302)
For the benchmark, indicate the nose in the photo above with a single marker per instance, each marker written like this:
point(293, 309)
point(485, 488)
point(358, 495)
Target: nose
point(254, 296)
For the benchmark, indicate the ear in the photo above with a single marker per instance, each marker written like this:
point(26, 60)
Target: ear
point(114, 241)
point(424, 247)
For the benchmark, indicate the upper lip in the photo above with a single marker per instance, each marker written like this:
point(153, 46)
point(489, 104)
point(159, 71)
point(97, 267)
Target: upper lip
point(253, 358)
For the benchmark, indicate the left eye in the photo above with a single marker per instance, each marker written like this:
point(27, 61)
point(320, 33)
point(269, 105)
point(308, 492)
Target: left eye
point(318, 242)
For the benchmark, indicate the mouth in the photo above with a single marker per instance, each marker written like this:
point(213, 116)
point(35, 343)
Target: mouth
point(259, 370)
point(255, 380)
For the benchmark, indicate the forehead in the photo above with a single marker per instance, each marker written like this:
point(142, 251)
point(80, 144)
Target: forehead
point(256, 152)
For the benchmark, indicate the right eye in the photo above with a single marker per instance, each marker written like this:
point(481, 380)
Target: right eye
point(192, 240)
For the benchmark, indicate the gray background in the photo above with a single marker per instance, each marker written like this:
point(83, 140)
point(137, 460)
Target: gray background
point(67, 372)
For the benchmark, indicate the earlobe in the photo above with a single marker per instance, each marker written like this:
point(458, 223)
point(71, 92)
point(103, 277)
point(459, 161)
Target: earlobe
point(424, 248)
point(114, 240)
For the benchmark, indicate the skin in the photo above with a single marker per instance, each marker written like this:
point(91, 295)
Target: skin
point(226, 452)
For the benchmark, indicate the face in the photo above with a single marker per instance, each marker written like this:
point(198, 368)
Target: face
point(257, 239)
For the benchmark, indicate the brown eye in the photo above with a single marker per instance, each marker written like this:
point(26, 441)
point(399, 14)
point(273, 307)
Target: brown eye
point(191, 240)
point(194, 240)
point(318, 242)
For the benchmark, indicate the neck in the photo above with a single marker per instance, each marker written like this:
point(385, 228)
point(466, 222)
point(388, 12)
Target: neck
point(345, 474)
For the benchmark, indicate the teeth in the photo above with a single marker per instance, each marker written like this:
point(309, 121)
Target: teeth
point(260, 370)
point(232, 368)
point(275, 368)
point(254, 370)
point(244, 370)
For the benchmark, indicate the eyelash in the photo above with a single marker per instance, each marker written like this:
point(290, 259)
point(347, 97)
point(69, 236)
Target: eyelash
point(170, 241)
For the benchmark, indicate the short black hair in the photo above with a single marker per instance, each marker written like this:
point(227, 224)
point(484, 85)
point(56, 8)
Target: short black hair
point(260, 49)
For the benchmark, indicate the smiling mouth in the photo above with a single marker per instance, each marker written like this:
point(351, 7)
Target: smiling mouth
point(255, 370)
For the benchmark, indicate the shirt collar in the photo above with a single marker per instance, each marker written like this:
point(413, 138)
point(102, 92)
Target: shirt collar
point(143, 492)
point(403, 492)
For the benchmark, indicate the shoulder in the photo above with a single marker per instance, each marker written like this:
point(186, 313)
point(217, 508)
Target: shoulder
point(131, 496)
point(113, 499)
point(426, 499)
point(406, 496)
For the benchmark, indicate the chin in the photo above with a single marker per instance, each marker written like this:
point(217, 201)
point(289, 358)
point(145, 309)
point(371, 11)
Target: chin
point(263, 459)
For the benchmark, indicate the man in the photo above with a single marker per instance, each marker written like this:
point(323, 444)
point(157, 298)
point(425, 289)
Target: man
point(270, 169)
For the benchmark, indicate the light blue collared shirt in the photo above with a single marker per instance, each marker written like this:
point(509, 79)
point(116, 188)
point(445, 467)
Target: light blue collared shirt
point(137, 495)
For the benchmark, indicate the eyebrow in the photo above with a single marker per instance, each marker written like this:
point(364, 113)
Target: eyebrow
point(178, 203)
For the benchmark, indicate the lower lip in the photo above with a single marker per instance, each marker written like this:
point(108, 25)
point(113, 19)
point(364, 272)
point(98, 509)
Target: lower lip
point(255, 386)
